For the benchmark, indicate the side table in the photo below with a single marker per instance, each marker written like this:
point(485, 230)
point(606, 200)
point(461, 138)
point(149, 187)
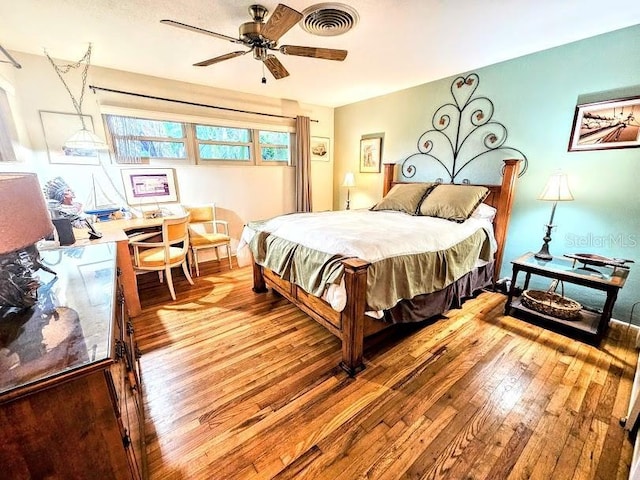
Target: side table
point(590, 325)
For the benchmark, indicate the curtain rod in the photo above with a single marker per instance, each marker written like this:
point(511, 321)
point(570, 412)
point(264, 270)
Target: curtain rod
point(94, 88)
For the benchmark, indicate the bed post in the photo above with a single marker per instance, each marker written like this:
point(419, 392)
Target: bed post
point(258, 279)
point(505, 204)
point(389, 177)
point(355, 282)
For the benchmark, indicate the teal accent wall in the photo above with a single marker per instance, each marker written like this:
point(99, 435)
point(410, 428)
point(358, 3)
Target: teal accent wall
point(535, 98)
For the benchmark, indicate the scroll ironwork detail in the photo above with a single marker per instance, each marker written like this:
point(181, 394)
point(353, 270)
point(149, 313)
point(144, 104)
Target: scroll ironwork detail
point(463, 131)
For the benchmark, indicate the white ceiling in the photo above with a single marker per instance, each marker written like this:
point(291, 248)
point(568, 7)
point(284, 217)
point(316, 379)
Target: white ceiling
point(395, 45)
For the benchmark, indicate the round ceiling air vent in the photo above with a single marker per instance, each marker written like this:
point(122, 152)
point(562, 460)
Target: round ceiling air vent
point(328, 19)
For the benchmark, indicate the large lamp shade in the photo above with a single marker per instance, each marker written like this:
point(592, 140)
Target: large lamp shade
point(24, 218)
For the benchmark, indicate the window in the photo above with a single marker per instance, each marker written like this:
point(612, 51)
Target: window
point(136, 138)
point(223, 143)
point(274, 147)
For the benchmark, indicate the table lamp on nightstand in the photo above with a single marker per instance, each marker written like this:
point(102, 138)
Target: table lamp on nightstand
point(556, 190)
point(349, 181)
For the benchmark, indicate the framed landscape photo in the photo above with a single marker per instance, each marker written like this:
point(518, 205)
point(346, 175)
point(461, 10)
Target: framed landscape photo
point(149, 185)
point(57, 127)
point(605, 125)
point(320, 149)
point(370, 154)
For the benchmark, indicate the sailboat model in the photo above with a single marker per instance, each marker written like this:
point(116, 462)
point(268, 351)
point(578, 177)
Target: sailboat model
point(99, 203)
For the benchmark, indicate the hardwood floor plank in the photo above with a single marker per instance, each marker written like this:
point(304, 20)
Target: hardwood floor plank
point(240, 385)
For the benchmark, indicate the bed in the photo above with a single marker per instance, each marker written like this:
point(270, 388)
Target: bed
point(357, 320)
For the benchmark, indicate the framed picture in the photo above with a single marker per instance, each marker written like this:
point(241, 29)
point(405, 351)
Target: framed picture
point(608, 124)
point(57, 127)
point(149, 185)
point(370, 154)
point(320, 149)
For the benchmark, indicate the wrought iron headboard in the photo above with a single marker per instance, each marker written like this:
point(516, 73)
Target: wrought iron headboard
point(459, 124)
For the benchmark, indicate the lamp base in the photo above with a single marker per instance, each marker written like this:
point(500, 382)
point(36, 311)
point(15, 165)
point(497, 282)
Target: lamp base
point(18, 280)
point(544, 254)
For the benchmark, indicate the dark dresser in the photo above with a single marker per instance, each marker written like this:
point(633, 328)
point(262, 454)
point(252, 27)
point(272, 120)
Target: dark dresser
point(70, 392)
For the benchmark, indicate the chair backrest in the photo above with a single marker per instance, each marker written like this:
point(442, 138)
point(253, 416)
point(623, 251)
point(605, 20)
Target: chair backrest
point(176, 230)
point(202, 213)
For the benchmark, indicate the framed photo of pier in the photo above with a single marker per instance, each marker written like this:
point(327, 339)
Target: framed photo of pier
point(605, 125)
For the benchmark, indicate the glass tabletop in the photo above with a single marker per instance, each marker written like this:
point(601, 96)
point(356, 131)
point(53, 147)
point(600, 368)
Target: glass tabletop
point(70, 327)
point(571, 268)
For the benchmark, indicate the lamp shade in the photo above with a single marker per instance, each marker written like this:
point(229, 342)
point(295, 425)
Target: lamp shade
point(24, 218)
point(349, 180)
point(557, 189)
point(84, 139)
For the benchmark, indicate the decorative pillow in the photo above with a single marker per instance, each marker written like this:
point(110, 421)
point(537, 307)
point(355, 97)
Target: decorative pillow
point(484, 212)
point(453, 202)
point(404, 197)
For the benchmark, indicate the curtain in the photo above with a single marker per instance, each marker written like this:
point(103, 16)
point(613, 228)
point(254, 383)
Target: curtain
point(303, 164)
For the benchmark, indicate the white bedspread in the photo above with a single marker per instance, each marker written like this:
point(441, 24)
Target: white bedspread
point(369, 235)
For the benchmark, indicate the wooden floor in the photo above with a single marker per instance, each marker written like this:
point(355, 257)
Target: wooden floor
point(242, 385)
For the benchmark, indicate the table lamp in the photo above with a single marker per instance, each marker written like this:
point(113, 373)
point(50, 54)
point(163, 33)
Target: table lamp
point(556, 190)
point(24, 220)
point(349, 181)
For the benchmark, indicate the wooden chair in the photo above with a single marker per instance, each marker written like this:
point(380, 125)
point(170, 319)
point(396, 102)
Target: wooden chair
point(204, 232)
point(153, 254)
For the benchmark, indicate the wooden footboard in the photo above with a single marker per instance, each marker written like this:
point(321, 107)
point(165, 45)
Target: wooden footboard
point(351, 325)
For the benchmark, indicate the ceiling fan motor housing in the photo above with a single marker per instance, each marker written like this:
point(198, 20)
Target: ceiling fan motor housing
point(250, 31)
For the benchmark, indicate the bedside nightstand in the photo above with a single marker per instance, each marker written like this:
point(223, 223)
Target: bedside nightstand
point(590, 325)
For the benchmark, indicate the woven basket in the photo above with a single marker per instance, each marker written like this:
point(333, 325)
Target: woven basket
point(550, 303)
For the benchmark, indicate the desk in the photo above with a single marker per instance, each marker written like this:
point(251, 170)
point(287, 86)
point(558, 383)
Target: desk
point(116, 231)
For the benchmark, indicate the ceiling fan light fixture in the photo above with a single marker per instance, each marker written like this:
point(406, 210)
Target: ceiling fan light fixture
point(328, 19)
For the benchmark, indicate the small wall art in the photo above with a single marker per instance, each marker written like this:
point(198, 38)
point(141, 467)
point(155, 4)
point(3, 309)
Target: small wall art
point(371, 153)
point(320, 149)
point(605, 125)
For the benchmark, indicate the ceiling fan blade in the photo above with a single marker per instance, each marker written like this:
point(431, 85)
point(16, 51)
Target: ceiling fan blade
point(275, 67)
point(221, 58)
point(324, 53)
point(280, 22)
point(173, 23)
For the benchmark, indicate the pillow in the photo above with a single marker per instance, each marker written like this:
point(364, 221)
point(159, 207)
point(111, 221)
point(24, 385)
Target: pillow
point(404, 197)
point(453, 202)
point(484, 212)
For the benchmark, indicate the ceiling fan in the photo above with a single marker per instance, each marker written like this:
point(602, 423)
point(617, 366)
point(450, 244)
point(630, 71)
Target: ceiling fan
point(261, 38)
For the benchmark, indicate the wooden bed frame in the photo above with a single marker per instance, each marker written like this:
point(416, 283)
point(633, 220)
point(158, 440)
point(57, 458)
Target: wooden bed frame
point(351, 325)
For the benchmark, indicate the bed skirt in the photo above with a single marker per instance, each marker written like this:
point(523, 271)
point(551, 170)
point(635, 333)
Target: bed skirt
point(423, 307)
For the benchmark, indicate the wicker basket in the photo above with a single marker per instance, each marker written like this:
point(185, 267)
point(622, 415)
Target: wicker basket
point(550, 303)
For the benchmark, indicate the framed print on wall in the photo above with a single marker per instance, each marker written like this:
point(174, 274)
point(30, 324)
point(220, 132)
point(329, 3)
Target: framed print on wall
point(370, 153)
point(320, 149)
point(149, 185)
point(57, 127)
point(605, 125)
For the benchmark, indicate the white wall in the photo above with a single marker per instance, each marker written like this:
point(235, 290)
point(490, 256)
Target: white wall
point(242, 193)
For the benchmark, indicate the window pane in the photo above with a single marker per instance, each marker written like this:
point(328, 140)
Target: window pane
point(274, 138)
point(222, 134)
point(140, 127)
point(275, 154)
point(150, 149)
point(224, 152)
